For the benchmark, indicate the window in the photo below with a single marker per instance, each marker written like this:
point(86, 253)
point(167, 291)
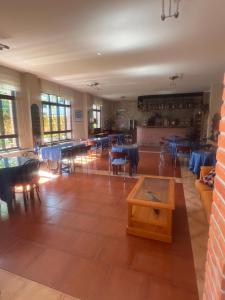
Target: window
point(8, 127)
point(56, 113)
point(97, 116)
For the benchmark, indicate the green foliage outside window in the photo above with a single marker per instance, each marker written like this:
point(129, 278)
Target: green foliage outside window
point(56, 113)
point(8, 134)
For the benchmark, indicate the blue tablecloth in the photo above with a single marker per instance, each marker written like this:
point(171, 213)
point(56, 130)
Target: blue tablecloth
point(131, 150)
point(176, 139)
point(201, 158)
point(54, 153)
point(173, 145)
point(118, 136)
point(9, 168)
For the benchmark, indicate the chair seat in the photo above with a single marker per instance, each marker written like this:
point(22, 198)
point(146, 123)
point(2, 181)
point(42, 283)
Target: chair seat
point(119, 161)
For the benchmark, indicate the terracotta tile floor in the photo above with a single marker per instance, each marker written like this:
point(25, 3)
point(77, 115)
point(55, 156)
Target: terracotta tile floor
point(76, 242)
point(14, 287)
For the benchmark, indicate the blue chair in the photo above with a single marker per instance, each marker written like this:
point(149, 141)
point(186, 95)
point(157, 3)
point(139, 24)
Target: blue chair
point(182, 151)
point(117, 160)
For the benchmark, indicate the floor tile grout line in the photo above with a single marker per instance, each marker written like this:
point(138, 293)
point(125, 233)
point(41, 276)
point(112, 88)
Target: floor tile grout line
point(190, 216)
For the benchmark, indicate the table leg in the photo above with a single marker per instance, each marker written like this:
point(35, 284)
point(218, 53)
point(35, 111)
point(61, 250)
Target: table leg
point(134, 170)
point(130, 169)
point(129, 214)
point(32, 192)
point(48, 165)
point(114, 170)
point(10, 207)
point(59, 167)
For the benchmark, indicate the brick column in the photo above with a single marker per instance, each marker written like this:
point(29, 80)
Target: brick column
point(214, 288)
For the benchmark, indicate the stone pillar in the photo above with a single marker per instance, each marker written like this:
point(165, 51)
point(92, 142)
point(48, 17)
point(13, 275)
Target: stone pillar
point(30, 94)
point(79, 126)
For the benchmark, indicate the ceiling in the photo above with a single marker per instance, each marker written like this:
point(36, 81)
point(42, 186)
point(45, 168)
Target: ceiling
point(59, 40)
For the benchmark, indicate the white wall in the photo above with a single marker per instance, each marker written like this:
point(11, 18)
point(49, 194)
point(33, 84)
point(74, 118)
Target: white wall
point(79, 127)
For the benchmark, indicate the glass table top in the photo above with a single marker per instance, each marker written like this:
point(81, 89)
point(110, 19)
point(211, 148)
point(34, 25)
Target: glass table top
point(153, 189)
point(10, 162)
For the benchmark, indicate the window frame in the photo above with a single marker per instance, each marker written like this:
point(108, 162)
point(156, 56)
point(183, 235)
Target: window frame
point(97, 109)
point(57, 104)
point(4, 136)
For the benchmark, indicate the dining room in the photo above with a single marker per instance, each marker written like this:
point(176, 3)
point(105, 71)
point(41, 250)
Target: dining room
point(112, 142)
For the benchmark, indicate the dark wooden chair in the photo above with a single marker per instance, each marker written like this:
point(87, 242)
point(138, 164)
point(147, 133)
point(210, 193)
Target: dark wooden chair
point(27, 178)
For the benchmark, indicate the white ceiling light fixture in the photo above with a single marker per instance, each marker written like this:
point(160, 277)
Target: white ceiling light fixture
point(4, 47)
point(172, 7)
point(174, 78)
point(94, 85)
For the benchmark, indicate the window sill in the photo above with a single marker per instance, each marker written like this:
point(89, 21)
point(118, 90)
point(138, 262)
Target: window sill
point(13, 152)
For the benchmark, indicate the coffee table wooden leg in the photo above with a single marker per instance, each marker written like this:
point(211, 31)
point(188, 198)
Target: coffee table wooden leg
point(129, 215)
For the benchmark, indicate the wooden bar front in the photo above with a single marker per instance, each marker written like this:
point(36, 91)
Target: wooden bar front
point(152, 136)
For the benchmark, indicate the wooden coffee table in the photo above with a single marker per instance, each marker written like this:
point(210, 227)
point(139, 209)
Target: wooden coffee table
point(150, 208)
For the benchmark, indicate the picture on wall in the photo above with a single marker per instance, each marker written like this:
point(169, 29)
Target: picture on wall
point(78, 115)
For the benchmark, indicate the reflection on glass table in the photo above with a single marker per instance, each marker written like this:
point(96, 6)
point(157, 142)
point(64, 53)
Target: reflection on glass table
point(11, 162)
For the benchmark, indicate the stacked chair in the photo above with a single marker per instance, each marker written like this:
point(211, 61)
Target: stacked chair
point(27, 177)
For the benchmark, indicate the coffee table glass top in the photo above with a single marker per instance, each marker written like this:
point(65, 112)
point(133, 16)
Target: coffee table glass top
point(11, 162)
point(153, 189)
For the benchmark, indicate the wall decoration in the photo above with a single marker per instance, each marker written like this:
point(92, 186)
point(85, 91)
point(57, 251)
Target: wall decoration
point(36, 124)
point(78, 115)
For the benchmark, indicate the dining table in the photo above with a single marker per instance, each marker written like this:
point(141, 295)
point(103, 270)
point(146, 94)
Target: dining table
point(54, 153)
point(57, 152)
point(174, 141)
point(201, 158)
point(9, 169)
point(173, 146)
point(119, 137)
point(132, 153)
point(102, 142)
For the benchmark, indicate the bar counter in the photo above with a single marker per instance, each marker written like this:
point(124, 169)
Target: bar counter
point(153, 135)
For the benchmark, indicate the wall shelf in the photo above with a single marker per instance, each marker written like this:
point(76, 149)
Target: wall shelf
point(170, 102)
